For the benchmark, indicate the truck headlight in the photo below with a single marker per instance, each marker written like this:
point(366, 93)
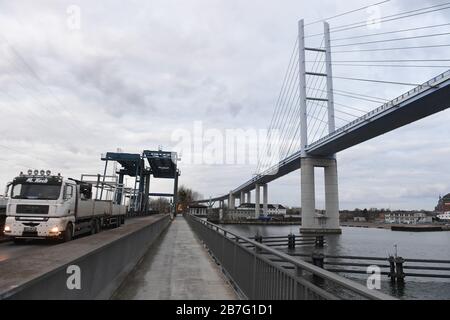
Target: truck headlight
point(7, 229)
point(54, 230)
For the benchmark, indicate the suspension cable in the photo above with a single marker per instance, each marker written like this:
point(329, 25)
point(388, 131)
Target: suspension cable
point(391, 49)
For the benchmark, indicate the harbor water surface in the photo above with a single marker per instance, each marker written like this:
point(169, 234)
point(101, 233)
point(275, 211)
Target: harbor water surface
point(377, 243)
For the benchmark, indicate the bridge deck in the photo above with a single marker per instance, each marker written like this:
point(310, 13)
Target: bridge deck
point(176, 267)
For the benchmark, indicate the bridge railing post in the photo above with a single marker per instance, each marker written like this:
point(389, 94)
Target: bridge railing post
point(258, 238)
point(299, 293)
point(254, 273)
point(318, 261)
point(392, 274)
point(319, 242)
point(399, 273)
point(291, 241)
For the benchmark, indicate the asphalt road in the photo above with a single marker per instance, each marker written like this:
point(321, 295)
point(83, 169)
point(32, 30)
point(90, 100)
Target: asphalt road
point(9, 250)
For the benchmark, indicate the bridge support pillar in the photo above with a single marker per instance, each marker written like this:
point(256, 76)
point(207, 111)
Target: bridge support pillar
point(249, 197)
point(231, 202)
point(332, 196)
point(242, 200)
point(265, 199)
point(257, 201)
point(313, 222)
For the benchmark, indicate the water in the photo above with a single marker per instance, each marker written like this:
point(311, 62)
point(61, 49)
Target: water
point(377, 243)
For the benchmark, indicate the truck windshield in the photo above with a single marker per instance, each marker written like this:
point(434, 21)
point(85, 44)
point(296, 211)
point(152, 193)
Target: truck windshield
point(35, 191)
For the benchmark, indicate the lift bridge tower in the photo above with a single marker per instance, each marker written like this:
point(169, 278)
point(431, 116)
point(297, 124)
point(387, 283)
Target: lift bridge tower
point(161, 165)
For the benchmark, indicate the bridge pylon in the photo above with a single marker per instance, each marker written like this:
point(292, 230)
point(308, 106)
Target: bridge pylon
point(312, 220)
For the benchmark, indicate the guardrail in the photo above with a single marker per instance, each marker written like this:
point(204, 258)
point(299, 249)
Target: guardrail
point(388, 105)
point(290, 241)
point(258, 278)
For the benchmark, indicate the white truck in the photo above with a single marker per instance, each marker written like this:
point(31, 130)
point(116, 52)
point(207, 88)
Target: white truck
point(42, 205)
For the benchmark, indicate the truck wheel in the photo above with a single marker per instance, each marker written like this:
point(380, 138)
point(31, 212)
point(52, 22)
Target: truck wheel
point(68, 233)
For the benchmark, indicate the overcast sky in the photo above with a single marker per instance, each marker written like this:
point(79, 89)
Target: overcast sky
point(136, 71)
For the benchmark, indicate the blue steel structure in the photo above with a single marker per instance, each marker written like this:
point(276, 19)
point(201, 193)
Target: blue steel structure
point(162, 165)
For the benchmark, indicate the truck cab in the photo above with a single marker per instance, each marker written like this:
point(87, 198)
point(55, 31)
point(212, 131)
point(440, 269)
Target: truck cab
point(41, 206)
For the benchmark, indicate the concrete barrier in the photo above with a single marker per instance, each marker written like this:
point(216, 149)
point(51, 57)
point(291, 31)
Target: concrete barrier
point(88, 268)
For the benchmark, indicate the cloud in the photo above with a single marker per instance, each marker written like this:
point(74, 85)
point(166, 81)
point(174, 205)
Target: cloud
point(135, 73)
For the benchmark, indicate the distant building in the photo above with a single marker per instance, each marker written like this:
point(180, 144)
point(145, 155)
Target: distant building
point(272, 209)
point(443, 204)
point(359, 219)
point(198, 210)
point(444, 216)
point(407, 217)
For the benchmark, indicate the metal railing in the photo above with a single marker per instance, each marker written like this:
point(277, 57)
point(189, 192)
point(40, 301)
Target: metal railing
point(388, 105)
point(247, 265)
point(429, 268)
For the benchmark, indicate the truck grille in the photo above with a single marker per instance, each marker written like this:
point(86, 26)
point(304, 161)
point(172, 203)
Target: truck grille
point(31, 209)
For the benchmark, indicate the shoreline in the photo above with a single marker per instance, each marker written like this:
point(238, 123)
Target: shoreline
point(347, 224)
point(261, 223)
point(375, 225)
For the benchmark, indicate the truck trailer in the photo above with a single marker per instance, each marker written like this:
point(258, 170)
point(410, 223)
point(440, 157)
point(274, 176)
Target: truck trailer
point(46, 206)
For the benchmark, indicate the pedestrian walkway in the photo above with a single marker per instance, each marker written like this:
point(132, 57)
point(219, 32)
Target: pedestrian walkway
point(177, 267)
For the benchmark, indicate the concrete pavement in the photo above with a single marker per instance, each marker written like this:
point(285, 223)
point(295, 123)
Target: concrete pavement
point(9, 250)
point(176, 267)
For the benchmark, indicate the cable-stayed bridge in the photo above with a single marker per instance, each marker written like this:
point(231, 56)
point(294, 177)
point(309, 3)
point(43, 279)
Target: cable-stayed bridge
point(314, 119)
point(306, 113)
